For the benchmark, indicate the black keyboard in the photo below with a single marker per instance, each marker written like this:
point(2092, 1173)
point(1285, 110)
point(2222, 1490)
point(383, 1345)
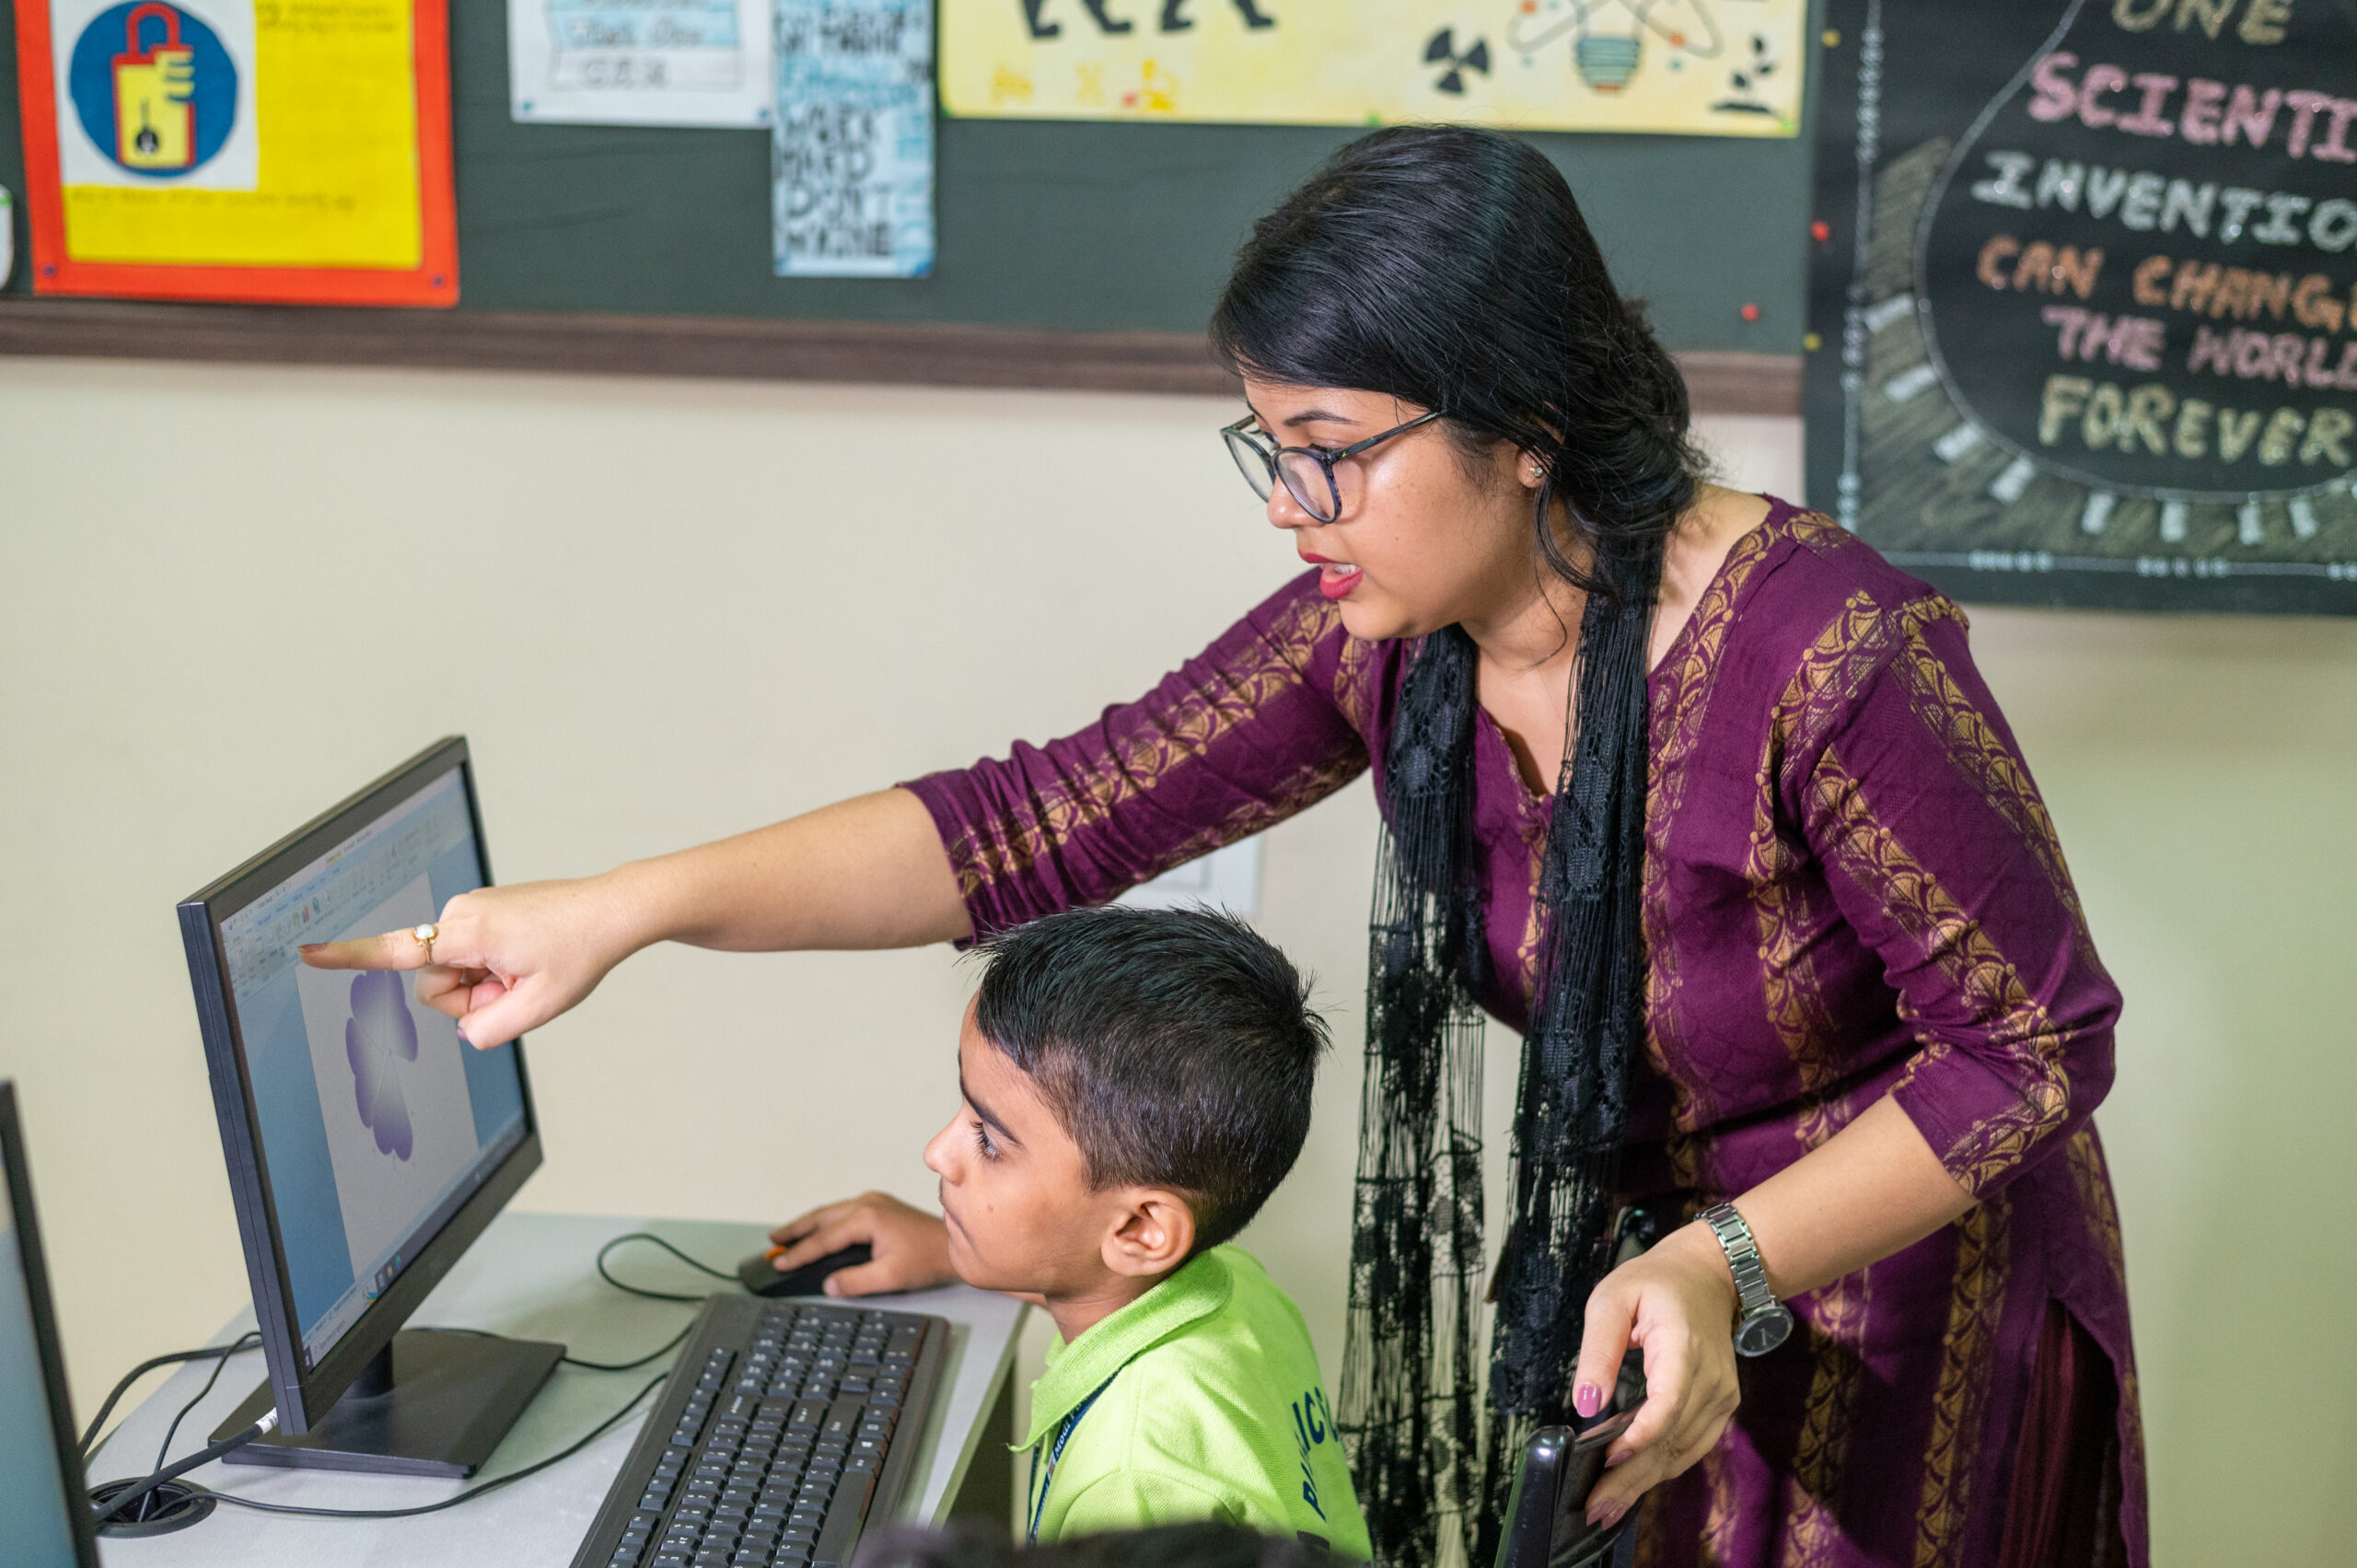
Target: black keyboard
point(783, 1430)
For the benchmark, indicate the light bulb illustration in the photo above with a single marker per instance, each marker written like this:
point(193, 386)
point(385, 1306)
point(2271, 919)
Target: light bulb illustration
point(1608, 36)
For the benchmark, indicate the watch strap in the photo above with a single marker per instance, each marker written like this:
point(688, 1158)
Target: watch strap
point(1743, 1258)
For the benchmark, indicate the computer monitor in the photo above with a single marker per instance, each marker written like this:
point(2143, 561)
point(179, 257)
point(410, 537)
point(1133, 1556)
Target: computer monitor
point(367, 1144)
point(44, 1515)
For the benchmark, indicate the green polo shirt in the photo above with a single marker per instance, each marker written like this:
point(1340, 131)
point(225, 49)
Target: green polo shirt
point(1212, 1409)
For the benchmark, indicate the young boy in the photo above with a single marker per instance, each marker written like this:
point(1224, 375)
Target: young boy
point(1134, 1085)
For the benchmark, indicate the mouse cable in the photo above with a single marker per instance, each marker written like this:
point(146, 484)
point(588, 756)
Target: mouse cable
point(665, 1348)
point(90, 1438)
point(606, 1274)
point(205, 1456)
point(469, 1495)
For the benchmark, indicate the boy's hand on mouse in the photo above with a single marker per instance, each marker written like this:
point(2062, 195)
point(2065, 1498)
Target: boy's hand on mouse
point(1677, 1303)
point(911, 1247)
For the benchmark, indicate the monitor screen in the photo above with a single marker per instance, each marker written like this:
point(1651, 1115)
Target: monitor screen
point(34, 1524)
point(375, 1122)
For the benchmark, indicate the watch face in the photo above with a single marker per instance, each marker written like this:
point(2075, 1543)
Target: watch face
point(1763, 1330)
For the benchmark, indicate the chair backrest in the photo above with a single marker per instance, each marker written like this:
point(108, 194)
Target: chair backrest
point(1546, 1523)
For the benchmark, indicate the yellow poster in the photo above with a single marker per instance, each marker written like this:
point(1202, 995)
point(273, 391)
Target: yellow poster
point(1696, 67)
point(281, 150)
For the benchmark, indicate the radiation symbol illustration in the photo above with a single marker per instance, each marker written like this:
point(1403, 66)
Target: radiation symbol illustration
point(153, 87)
point(1441, 49)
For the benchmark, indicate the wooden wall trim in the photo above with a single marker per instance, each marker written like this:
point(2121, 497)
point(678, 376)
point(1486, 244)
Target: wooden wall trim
point(905, 354)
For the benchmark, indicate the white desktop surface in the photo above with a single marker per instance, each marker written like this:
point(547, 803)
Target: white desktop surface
point(529, 1276)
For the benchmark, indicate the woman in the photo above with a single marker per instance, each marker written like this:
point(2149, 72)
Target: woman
point(1791, 930)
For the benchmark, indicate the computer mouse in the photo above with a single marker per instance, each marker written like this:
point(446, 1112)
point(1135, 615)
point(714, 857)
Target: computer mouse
point(762, 1278)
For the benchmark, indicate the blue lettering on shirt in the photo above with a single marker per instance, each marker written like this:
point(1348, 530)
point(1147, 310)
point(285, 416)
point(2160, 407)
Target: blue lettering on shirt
point(1313, 1423)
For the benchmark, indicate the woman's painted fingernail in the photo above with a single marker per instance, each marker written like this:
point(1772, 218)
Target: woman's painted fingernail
point(1604, 1515)
point(312, 946)
point(1623, 1457)
point(1587, 1398)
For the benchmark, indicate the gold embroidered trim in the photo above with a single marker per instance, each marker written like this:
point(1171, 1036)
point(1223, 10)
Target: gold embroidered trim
point(1675, 726)
point(1982, 755)
point(990, 852)
point(1836, 1333)
point(1959, 1400)
point(1965, 952)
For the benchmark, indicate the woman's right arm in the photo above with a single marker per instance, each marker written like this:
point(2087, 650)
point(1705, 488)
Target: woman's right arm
point(868, 872)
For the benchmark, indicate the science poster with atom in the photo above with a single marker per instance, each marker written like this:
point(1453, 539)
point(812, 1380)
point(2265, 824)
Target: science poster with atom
point(1700, 67)
point(2083, 306)
point(294, 151)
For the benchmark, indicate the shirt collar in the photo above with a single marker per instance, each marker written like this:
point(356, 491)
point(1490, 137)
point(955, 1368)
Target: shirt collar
point(1198, 1288)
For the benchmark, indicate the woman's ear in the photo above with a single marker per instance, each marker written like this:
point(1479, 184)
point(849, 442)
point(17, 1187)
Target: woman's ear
point(1529, 468)
point(1155, 1234)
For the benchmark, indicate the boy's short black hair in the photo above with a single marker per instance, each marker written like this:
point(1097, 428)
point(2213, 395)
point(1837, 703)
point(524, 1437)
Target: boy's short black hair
point(1177, 1046)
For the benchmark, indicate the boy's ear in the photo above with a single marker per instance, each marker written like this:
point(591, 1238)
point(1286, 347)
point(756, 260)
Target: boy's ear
point(1155, 1233)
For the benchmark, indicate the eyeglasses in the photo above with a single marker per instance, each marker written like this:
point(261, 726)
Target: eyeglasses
point(1307, 471)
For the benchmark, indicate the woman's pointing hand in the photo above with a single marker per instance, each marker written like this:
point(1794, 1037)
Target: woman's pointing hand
point(505, 960)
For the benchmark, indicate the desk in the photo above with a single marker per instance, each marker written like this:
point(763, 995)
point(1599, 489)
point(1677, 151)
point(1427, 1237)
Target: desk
point(531, 1276)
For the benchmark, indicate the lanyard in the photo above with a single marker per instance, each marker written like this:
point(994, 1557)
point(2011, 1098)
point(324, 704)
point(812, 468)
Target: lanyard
point(1063, 1435)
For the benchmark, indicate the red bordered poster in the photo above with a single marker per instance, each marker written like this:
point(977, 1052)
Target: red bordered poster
point(284, 151)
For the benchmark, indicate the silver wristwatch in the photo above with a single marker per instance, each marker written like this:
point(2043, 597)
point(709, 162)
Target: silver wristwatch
point(1761, 1321)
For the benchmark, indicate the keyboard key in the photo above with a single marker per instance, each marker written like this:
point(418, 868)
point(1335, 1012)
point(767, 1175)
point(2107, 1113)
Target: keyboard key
point(843, 1517)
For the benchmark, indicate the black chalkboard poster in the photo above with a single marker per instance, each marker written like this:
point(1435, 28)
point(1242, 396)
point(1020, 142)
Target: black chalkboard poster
point(2085, 298)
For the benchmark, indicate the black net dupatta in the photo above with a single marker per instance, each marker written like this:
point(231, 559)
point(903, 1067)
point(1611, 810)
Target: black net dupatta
point(1432, 1462)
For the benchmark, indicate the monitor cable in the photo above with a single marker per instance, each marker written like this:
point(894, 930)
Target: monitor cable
point(116, 1496)
point(134, 1502)
point(469, 1495)
point(91, 1441)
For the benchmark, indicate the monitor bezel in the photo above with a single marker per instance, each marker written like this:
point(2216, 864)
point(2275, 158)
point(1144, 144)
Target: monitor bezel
point(304, 1395)
point(35, 1265)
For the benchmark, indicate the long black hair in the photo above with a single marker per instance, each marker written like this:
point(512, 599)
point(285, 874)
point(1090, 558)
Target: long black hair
point(1449, 267)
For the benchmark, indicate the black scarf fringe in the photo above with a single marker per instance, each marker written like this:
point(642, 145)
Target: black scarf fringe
point(1431, 1463)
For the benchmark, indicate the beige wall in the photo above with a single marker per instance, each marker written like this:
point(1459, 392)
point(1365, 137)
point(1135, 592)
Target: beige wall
point(664, 610)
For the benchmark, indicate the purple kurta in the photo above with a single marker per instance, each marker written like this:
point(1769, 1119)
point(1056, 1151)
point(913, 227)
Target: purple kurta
point(1851, 888)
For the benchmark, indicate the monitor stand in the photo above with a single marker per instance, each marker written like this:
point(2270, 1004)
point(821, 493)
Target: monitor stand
point(427, 1404)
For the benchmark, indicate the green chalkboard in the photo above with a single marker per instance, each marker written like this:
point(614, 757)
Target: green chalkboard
point(1100, 228)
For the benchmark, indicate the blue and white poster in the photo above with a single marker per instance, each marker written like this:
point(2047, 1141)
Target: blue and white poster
point(153, 94)
point(641, 62)
point(851, 159)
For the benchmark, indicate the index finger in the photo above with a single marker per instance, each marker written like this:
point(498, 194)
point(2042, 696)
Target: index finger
point(393, 950)
point(822, 1241)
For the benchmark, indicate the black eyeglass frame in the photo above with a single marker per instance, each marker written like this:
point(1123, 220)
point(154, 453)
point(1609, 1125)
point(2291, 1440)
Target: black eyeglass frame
point(1241, 438)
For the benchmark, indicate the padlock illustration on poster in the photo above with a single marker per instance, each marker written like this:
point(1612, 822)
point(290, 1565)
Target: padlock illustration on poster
point(155, 83)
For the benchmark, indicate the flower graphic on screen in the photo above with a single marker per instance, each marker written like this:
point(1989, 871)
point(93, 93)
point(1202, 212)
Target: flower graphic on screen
point(380, 1037)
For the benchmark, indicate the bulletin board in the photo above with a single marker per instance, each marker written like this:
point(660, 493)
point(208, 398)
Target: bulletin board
point(2090, 277)
point(1069, 253)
